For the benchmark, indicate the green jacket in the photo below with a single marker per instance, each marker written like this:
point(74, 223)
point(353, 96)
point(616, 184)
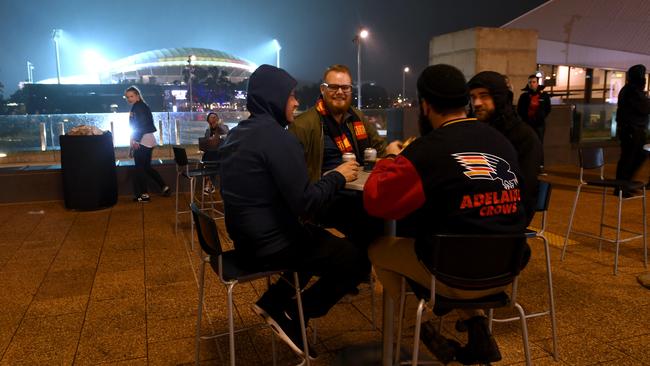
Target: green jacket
point(308, 129)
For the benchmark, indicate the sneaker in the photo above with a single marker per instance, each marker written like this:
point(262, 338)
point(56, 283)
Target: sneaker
point(143, 198)
point(444, 349)
point(286, 328)
point(166, 191)
point(481, 346)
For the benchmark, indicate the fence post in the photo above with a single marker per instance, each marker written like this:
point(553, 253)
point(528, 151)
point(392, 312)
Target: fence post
point(177, 131)
point(113, 131)
point(43, 136)
point(62, 128)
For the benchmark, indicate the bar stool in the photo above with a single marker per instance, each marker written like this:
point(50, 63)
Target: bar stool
point(592, 158)
point(183, 170)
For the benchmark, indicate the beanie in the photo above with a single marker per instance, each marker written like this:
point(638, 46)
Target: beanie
point(443, 86)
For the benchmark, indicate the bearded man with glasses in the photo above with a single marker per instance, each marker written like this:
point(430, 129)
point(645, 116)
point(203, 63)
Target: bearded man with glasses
point(328, 130)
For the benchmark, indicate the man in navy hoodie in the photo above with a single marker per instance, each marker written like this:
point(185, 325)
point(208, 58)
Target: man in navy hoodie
point(268, 198)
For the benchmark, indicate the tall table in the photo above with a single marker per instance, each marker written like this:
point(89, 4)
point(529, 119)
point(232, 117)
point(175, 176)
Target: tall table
point(389, 306)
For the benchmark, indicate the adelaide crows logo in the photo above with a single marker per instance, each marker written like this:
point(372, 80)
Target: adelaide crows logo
point(486, 166)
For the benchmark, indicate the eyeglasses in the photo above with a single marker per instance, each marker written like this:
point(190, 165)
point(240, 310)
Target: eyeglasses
point(333, 88)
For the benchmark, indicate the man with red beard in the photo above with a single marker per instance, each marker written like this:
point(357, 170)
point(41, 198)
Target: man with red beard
point(326, 132)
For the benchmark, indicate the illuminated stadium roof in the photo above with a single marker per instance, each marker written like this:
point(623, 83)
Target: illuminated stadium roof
point(167, 64)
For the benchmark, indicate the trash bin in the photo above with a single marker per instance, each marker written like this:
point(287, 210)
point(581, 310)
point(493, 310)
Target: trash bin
point(88, 169)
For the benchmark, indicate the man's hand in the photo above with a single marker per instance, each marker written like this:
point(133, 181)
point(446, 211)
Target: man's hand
point(394, 147)
point(349, 169)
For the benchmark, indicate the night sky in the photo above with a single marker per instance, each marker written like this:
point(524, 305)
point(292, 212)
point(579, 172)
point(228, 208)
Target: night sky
point(313, 34)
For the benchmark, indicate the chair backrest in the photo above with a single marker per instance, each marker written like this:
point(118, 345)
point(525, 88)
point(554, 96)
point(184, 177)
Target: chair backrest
point(591, 157)
point(543, 196)
point(180, 156)
point(206, 230)
point(473, 262)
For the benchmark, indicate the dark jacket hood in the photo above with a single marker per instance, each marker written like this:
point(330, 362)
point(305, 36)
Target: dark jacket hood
point(268, 90)
point(495, 83)
point(636, 76)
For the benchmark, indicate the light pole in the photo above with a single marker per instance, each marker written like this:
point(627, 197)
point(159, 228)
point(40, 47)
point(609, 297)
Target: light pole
point(56, 36)
point(30, 72)
point(406, 69)
point(277, 46)
point(190, 68)
point(363, 33)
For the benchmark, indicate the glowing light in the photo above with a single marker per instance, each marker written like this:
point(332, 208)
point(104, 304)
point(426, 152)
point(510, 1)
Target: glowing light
point(276, 44)
point(3, 155)
point(94, 62)
point(364, 33)
point(407, 69)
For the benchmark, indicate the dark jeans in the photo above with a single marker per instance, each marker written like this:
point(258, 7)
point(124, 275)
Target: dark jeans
point(142, 159)
point(632, 153)
point(346, 214)
point(336, 261)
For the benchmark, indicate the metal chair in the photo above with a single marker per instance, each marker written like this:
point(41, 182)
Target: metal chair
point(227, 265)
point(591, 159)
point(495, 262)
point(183, 170)
point(543, 201)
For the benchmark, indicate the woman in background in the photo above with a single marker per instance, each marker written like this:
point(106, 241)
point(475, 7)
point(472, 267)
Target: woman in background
point(142, 144)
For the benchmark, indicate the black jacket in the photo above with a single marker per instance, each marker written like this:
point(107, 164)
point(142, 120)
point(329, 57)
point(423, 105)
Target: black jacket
point(543, 110)
point(633, 104)
point(264, 181)
point(140, 120)
point(521, 136)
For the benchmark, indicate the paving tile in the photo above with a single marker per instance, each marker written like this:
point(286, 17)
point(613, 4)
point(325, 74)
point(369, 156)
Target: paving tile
point(46, 340)
point(636, 348)
point(117, 285)
point(121, 260)
point(181, 351)
point(57, 306)
point(66, 283)
point(114, 330)
point(172, 301)
point(580, 349)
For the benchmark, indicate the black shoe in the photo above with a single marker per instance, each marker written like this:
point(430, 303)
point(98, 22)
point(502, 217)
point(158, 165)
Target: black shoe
point(481, 346)
point(142, 199)
point(286, 328)
point(166, 191)
point(444, 349)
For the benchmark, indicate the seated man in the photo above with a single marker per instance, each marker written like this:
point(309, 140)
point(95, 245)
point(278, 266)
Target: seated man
point(327, 131)
point(435, 183)
point(209, 144)
point(267, 196)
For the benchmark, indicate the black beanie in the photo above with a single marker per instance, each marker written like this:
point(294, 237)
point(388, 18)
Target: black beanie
point(496, 84)
point(443, 86)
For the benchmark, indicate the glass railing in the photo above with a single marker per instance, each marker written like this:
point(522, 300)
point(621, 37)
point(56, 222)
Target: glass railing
point(41, 132)
point(594, 122)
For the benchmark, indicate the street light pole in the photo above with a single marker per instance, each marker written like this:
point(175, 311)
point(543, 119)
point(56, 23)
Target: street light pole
point(363, 33)
point(277, 52)
point(30, 72)
point(406, 69)
point(190, 68)
point(56, 35)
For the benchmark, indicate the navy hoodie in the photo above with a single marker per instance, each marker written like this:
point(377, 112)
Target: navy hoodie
point(264, 183)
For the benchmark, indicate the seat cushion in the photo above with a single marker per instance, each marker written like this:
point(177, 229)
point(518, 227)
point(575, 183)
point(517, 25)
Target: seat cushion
point(624, 185)
point(233, 270)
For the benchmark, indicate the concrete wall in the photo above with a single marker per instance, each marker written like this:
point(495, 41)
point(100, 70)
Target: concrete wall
point(512, 52)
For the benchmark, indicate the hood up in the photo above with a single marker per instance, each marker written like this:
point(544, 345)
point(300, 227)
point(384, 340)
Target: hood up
point(636, 76)
point(268, 90)
point(495, 83)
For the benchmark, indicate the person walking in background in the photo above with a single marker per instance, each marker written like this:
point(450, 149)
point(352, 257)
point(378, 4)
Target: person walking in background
point(533, 106)
point(142, 143)
point(631, 124)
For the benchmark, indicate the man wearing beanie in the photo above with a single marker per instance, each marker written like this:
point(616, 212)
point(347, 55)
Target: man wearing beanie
point(429, 183)
point(491, 103)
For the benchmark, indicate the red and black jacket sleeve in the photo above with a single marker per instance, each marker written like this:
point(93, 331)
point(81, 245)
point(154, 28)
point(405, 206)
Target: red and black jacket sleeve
point(394, 189)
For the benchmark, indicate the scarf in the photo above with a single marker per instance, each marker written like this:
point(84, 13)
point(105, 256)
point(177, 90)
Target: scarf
point(341, 138)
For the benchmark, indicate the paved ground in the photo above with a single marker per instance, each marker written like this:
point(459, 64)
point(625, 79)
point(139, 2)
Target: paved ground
point(117, 286)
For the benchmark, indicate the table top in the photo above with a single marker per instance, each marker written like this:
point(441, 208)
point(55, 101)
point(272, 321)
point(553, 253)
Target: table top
point(357, 184)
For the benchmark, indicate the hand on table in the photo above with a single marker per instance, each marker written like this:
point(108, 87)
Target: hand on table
point(349, 169)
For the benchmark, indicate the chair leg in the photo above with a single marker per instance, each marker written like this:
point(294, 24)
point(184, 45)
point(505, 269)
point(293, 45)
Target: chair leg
point(490, 317)
point(416, 335)
point(568, 231)
point(645, 242)
point(200, 313)
point(373, 312)
point(191, 216)
point(301, 314)
point(177, 189)
point(400, 320)
point(551, 298)
point(524, 332)
point(618, 231)
point(602, 219)
point(274, 350)
point(231, 324)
